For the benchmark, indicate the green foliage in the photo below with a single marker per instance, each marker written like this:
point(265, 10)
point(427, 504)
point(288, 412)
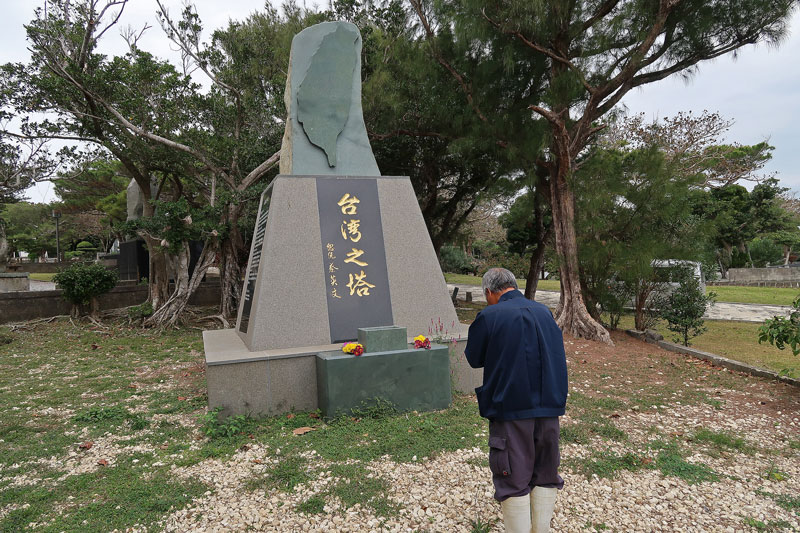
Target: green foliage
point(86, 249)
point(285, 475)
point(683, 309)
point(83, 281)
point(454, 259)
point(29, 228)
point(138, 312)
point(781, 331)
point(632, 209)
point(178, 222)
point(722, 440)
point(609, 464)
point(5, 337)
point(231, 426)
point(111, 415)
point(374, 409)
point(491, 254)
point(313, 505)
point(772, 525)
point(765, 251)
point(479, 526)
point(671, 463)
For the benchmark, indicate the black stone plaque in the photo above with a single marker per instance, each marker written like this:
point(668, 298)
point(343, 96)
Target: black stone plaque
point(354, 256)
point(255, 259)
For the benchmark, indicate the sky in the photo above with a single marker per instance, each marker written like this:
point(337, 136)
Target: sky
point(759, 89)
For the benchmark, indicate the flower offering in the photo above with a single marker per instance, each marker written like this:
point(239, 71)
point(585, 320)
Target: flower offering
point(353, 348)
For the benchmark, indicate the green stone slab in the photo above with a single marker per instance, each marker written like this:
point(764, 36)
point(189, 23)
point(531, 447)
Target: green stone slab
point(323, 99)
point(410, 379)
point(383, 338)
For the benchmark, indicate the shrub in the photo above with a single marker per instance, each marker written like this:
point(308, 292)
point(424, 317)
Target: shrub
point(82, 283)
point(613, 301)
point(781, 331)
point(453, 259)
point(140, 312)
point(683, 309)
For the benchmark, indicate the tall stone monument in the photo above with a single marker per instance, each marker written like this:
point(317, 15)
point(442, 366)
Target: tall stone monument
point(336, 246)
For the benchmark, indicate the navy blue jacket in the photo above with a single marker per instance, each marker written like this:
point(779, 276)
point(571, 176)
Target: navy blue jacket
point(521, 350)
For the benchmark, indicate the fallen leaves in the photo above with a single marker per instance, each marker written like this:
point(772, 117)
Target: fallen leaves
point(86, 445)
point(303, 430)
point(102, 462)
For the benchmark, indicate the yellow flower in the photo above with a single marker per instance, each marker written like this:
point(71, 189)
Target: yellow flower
point(420, 338)
point(349, 347)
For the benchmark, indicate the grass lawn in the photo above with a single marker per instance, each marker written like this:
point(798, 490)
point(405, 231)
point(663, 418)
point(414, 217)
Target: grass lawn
point(108, 429)
point(734, 340)
point(96, 420)
point(466, 279)
point(755, 295)
point(747, 295)
point(43, 276)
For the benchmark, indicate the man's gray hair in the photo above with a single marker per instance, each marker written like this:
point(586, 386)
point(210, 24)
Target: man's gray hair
point(498, 279)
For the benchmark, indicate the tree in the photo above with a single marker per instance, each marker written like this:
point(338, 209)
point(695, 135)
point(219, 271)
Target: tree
point(83, 283)
point(738, 216)
point(529, 229)
point(94, 193)
point(685, 306)
point(632, 209)
point(173, 140)
point(596, 52)
point(693, 145)
point(418, 128)
point(29, 228)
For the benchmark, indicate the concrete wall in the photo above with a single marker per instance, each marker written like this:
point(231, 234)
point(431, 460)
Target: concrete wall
point(746, 275)
point(14, 281)
point(19, 306)
point(760, 283)
point(37, 268)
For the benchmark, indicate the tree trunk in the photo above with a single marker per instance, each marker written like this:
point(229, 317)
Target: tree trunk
point(640, 307)
point(171, 311)
point(230, 273)
point(158, 276)
point(94, 307)
point(233, 260)
point(787, 251)
point(3, 245)
point(571, 313)
point(749, 257)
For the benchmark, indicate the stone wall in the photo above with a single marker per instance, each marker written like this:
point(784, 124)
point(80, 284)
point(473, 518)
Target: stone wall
point(760, 283)
point(14, 281)
point(20, 306)
point(37, 268)
point(749, 275)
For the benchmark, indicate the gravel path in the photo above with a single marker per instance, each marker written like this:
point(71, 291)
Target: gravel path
point(718, 311)
point(445, 493)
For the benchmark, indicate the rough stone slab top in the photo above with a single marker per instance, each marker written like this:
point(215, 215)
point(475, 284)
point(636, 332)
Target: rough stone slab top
point(224, 347)
point(14, 274)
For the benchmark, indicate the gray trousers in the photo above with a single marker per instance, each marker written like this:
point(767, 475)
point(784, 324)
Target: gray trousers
point(523, 454)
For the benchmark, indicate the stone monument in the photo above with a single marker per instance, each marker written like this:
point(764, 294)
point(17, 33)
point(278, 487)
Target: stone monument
point(336, 246)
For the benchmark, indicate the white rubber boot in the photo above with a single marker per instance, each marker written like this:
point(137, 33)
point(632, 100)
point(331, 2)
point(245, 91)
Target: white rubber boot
point(517, 514)
point(543, 500)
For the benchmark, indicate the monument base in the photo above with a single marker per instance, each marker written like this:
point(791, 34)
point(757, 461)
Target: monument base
point(409, 379)
point(271, 382)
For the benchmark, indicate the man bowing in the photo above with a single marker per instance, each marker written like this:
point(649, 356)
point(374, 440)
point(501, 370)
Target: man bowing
point(524, 391)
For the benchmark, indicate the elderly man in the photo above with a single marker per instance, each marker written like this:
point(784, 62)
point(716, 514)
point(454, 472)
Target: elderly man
point(524, 391)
